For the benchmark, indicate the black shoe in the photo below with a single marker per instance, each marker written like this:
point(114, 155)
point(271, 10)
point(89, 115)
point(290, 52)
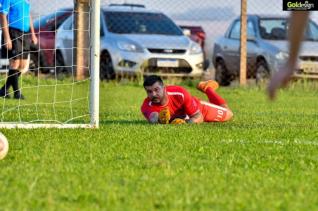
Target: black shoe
point(4, 94)
point(18, 96)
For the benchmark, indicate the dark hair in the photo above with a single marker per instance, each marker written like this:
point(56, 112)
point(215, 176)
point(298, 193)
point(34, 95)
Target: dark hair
point(151, 79)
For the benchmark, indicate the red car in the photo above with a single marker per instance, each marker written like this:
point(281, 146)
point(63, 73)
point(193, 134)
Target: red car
point(43, 55)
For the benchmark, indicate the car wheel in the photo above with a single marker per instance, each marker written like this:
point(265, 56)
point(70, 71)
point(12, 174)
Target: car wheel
point(34, 63)
point(221, 74)
point(37, 63)
point(262, 72)
point(60, 64)
point(106, 67)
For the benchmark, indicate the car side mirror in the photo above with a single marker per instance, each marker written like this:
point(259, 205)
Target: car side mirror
point(186, 32)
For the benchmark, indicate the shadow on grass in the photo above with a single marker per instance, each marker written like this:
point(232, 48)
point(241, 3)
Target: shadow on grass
point(124, 122)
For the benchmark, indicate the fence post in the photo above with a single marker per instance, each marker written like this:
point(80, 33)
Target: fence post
point(243, 54)
point(81, 38)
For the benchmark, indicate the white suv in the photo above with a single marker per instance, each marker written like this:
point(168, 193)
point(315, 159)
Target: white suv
point(135, 39)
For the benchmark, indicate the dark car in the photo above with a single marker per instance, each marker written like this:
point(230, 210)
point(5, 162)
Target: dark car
point(43, 55)
point(267, 49)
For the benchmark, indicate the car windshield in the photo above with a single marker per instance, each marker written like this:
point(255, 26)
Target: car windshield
point(140, 23)
point(276, 29)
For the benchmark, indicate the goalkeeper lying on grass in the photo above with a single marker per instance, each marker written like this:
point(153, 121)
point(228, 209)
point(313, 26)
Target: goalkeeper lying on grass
point(175, 105)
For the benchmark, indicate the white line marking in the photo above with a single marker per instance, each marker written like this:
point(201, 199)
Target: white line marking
point(272, 142)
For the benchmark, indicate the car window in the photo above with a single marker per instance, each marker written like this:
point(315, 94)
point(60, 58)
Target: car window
point(273, 29)
point(235, 32)
point(250, 29)
point(312, 32)
point(68, 25)
point(60, 18)
point(140, 23)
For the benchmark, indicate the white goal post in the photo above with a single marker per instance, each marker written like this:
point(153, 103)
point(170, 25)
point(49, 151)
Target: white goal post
point(14, 111)
point(95, 57)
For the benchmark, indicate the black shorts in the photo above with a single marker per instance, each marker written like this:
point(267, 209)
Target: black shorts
point(21, 42)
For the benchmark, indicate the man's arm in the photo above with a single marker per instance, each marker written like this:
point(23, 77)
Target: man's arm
point(5, 31)
point(192, 108)
point(33, 36)
point(196, 117)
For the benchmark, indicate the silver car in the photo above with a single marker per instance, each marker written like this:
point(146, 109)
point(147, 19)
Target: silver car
point(135, 39)
point(267, 48)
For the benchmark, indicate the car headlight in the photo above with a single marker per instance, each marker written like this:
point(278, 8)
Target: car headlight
point(282, 55)
point(195, 48)
point(129, 46)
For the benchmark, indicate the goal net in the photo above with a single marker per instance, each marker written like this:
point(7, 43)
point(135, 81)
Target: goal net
point(58, 84)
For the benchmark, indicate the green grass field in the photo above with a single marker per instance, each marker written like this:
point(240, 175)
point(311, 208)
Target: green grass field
point(265, 159)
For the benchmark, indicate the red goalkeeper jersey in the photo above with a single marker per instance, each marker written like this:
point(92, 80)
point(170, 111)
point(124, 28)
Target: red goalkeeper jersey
point(180, 103)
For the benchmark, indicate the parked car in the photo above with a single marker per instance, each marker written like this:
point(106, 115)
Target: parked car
point(197, 34)
point(267, 48)
point(135, 39)
point(43, 55)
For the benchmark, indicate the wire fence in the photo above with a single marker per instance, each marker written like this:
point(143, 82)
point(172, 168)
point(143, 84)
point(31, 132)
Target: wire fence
point(206, 21)
point(171, 38)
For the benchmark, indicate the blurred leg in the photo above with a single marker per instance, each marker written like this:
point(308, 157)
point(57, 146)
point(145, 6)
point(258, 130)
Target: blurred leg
point(298, 23)
point(15, 79)
point(24, 66)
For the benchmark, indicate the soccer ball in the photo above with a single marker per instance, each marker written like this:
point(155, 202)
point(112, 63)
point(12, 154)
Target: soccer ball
point(4, 146)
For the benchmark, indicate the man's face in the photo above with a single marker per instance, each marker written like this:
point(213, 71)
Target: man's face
point(155, 92)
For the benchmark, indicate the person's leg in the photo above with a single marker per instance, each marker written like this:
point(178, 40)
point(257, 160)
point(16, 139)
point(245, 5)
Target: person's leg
point(298, 23)
point(4, 55)
point(12, 73)
point(4, 91)
point(215, 98)
point(215, 113)
point(209, 87)
point(23, 47)
point(15, 81)
point(10, 55)
point(16, 55)
point(25, 64)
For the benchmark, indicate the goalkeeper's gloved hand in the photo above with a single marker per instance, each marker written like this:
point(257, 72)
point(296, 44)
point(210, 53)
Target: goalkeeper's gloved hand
point(178, 121)
point(164, 116)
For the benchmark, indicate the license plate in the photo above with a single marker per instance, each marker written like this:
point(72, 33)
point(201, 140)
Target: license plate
point(167, 63)
point(309, 67)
